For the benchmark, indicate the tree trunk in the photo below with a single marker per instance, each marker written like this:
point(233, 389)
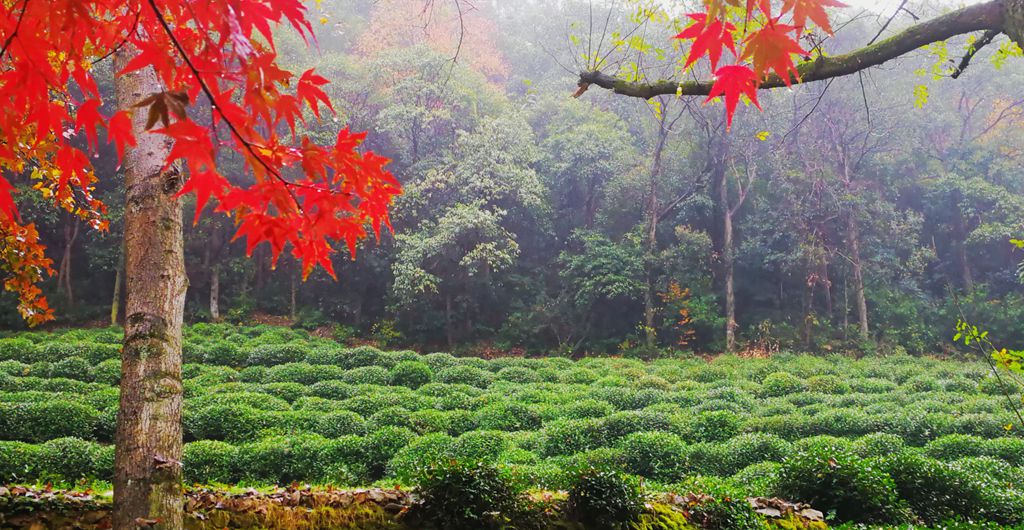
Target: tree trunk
point(71, 227)
point(215, 293)
point(448, 324)
point(115, 304)
point(650, 335)
point(147, 476)
point(960, 247)
point(728, 272)
point(294, 309)
point(853, 239)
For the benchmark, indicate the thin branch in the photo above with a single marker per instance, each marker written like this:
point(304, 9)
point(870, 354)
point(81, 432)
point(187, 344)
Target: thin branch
point(887, 22)
point(982, 41)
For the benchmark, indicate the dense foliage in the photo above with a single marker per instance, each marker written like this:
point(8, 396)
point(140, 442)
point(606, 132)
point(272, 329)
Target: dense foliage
point(873, 440)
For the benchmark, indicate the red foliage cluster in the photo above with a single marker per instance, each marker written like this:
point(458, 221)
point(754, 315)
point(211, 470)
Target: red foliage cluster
point(765, 45)
point(300, 194)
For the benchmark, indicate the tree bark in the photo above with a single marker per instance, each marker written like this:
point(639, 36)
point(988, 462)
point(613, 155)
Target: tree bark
point(147, 476)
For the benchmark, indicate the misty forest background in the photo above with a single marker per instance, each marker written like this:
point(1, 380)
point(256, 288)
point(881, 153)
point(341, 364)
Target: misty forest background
point(536, 221)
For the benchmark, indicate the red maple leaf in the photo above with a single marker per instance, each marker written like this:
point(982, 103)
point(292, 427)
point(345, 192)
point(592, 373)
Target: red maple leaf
point(309, 91)
point(87, 117)
point(205, 184)
point(119, 132)
point(708, 38)
point(772, 48)
point(731, 82)
point(7, 206)
point(811, 9)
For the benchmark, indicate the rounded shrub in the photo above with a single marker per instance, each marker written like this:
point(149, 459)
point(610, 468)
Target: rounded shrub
point(507, 416)
point(380, 446)
point(656, 455)
point(412, 374)
point(627, 422)
point(284, 459)
point(289, 392)
point(255, 400)
point(878, 444)
point(517, 374)
point(335, 389)
point(748, 449)
point(565, 437)
point(107, 372)
point(714, 426)
point(827, 384)
point(363, 356)
point(954, 447)
point(1010, 450)
point(224, 353)
point(480, 446)
point(68, 459)
point(18, 461)
point(466, 495)
point(390, 417)
point(781, 384)
point(209, 461)
point(56, 350)
point(585, 408)
point(72, 368)
point(760, 479)
point(225, 422)
point(340, 423)
point(465, 375)
point(831, 478)
point(419, 455)
point(304, 373)
point(937, 491)
point(998, 386)
point(17, 349)
point(41, 421)
point(367, 375)
point(275, 354)
point(603, 499)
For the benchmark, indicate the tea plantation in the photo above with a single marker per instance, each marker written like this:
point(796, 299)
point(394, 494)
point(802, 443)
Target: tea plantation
point(887, 440)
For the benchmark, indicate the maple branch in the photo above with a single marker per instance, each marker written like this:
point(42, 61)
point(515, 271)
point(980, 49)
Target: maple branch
point(213, 103)
point(986, 16)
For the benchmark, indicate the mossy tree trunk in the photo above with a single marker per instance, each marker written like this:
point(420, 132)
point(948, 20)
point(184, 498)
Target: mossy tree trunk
point(147, 478)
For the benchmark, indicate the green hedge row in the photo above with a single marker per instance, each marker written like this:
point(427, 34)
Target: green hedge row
point(831, 475)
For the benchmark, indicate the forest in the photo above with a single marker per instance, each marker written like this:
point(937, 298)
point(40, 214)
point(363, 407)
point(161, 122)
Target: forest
point(603, 224)
point(528, 264)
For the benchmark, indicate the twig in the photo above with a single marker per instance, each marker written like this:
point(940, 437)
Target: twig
point(983, 41)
